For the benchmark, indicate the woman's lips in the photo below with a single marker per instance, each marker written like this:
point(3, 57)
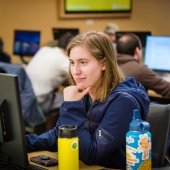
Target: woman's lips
point(79, 80)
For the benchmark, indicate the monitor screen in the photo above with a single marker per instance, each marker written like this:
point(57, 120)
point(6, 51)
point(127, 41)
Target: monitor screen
point(59, 32)
point(12, 135)
point(157, 53)
point(26, 43)
point(141, 34)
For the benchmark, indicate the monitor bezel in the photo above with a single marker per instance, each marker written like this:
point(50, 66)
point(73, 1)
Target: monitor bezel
point(63, 14)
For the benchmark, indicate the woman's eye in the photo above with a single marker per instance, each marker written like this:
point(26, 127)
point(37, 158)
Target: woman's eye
point(83, 62)
point(71, 63)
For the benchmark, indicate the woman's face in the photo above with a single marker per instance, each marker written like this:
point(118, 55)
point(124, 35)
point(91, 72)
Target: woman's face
point(85, 69)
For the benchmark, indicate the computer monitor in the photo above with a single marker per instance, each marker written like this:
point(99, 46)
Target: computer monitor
point(141, 34)
point(26, 42)
point(12, 136)
point(59, 32)
point(157, 53)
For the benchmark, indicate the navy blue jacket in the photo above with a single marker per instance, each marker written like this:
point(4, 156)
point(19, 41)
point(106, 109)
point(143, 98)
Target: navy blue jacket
point(101, 128)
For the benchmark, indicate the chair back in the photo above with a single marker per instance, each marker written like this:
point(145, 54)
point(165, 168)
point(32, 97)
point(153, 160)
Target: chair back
point(159, 119)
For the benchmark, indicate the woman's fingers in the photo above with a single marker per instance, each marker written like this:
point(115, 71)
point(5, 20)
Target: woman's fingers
point(73, 93)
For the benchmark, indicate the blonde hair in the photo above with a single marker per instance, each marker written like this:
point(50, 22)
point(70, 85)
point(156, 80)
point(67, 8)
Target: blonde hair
point(100, 47)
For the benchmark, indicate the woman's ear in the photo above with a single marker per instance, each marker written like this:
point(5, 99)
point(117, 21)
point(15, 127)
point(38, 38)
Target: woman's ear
point(103, 64)
point(103, 67)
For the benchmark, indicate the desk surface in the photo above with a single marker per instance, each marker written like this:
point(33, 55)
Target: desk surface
point(54, 155)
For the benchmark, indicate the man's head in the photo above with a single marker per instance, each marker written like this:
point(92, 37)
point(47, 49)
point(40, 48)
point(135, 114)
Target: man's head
point(130, 44)
point(64, 40)
point(111, 30)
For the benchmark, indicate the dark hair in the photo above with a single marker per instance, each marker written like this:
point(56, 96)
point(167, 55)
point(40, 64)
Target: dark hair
point(127, 44)
point(1, 44)
point(64, 40)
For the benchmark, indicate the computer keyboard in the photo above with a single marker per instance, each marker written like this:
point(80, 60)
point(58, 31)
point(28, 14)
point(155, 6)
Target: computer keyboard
point(36, 167)
point(7, 166)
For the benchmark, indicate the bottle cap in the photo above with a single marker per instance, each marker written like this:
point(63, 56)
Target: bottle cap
point(137, 124)
point(67, 131)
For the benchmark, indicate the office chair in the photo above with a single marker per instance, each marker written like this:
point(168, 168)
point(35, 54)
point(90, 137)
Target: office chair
point(159, 119)
point(34, 118)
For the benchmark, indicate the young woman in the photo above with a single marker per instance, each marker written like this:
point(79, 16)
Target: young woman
point(100, 102)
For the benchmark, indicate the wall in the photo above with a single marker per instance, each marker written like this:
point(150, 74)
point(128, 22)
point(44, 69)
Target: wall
point(43, 15)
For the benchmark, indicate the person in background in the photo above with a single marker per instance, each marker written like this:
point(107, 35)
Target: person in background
point(31, 113)
point(111, 30)
point(48, 70)
point(4, 57)
point(129, 49)
point(100, 102)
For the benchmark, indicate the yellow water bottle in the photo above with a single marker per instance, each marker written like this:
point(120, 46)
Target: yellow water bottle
point(68, 148)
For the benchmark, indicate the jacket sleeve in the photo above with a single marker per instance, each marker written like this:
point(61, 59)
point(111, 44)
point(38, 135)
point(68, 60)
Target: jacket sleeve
point(110, 132)
point(48, 140)
point(45, 141)
point(151, 80)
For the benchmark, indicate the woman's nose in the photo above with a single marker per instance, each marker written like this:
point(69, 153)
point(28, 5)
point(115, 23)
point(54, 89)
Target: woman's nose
point(76, 69)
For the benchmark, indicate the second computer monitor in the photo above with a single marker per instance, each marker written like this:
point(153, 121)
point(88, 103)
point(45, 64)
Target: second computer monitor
point(157, 53)
point(26, 42)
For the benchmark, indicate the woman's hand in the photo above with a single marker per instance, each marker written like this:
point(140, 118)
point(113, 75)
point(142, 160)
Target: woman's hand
point(74, 93)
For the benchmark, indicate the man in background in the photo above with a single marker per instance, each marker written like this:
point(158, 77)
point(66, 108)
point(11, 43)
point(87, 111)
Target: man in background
point(111, 30)
point(129, 49)
point(4, 57)
point(48, 70)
